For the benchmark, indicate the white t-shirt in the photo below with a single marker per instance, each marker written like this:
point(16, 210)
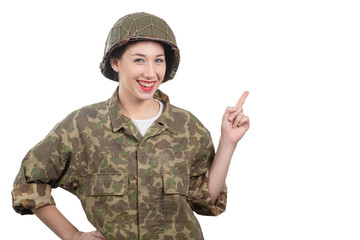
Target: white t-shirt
point(144, 125)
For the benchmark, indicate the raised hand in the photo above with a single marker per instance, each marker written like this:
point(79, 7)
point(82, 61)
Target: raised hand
point(235, 123)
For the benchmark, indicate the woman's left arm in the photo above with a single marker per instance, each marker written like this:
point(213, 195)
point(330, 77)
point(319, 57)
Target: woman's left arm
point(233, 128)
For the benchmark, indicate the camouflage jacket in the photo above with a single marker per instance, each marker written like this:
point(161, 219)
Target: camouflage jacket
point(131, 187)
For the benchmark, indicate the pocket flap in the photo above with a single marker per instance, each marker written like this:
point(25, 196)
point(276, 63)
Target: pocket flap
point(98, 184)
point(175, 185)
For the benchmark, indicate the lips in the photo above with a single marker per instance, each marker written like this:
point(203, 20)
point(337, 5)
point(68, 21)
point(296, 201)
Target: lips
point(146, 86)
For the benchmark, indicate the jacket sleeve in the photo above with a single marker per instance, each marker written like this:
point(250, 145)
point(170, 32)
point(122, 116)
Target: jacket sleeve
point(42, 169)
point(199, 196)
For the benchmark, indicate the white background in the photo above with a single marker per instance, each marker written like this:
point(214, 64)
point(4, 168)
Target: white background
point(296, 173)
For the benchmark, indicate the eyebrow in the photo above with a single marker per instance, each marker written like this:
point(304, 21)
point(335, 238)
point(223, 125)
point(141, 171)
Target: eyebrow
point(143, 55)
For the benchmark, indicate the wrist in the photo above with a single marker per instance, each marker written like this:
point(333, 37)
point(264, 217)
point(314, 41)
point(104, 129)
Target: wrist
point(226, 142)
point(74, 236)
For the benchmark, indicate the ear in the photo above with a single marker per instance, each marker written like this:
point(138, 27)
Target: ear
point(115, 63)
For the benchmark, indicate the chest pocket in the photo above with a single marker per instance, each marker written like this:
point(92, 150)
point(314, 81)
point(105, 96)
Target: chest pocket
point(101, 184)
point(176, 184)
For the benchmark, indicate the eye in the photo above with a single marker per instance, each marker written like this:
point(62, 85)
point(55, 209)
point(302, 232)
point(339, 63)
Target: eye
point(139, 60)
point(159, 60)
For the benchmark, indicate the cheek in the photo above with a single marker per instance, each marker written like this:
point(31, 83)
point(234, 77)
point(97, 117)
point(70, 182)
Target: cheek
point(128, 72)
point(162, 71)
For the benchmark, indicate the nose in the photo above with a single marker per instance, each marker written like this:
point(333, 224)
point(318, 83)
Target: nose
point(149, 71)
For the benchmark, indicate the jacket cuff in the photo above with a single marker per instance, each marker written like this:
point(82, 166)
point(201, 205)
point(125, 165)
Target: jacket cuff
point(200, 199)
point(26, 197)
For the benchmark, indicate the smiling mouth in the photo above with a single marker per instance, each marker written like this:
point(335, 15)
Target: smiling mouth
point(146, 86)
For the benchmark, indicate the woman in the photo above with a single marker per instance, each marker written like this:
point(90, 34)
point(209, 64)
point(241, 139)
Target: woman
point(139, 165)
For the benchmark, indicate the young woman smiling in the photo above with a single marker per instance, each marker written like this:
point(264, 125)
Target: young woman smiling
point(139, 165)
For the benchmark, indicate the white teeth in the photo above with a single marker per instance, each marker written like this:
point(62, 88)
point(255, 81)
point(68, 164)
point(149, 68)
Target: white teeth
point(145, 84)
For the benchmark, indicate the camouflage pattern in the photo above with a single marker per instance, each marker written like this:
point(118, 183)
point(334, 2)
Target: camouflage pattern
point(140, 26)
point(131, 187)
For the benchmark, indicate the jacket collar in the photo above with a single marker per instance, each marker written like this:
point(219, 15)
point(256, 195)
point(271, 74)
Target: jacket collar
point(119, 120)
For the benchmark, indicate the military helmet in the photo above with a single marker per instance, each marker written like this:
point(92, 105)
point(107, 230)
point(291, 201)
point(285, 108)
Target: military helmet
point(137, 27)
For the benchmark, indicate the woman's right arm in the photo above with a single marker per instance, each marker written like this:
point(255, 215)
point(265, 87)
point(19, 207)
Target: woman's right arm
point(49, 165)
point(54, 220)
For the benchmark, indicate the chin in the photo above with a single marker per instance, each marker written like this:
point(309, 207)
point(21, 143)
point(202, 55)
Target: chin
point(146, 96)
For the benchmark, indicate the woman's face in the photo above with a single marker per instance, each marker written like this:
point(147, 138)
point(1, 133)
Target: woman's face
point(141, 69)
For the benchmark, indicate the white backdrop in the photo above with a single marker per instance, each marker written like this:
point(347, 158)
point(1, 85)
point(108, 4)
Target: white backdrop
point(295, 175)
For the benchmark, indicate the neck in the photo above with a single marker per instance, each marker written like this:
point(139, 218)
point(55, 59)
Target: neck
point(138, 109)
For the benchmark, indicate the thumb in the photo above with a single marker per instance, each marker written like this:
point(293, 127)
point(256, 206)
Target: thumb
point(98, 234)
point(228, 112)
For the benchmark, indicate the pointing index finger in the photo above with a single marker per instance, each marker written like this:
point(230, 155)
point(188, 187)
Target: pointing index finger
point(242, 99)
